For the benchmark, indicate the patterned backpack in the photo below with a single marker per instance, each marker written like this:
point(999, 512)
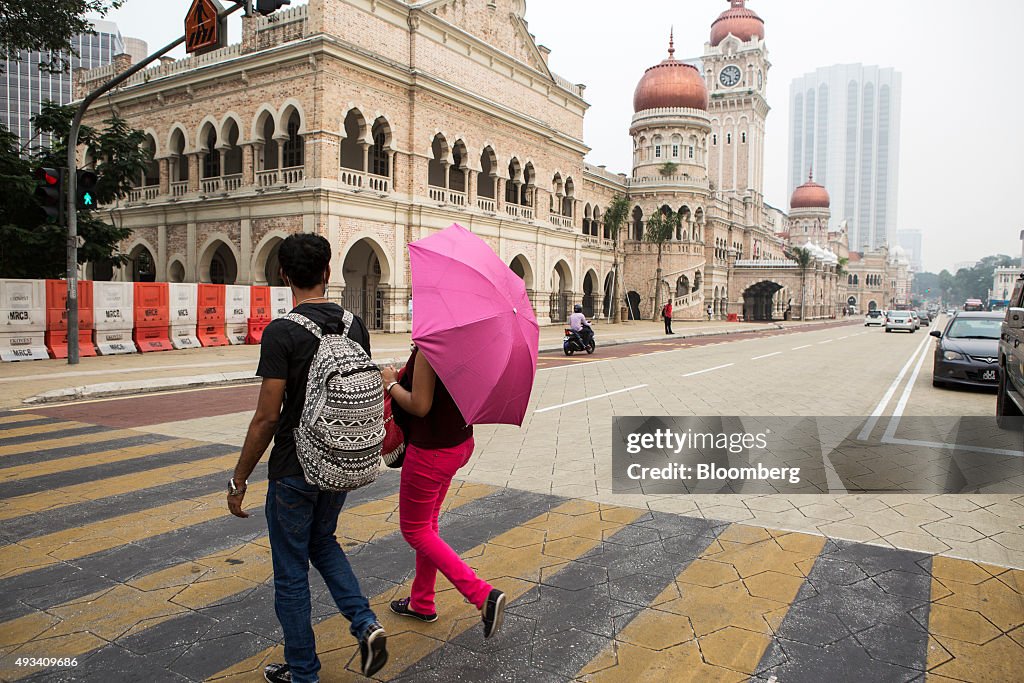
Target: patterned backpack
point(339, 437)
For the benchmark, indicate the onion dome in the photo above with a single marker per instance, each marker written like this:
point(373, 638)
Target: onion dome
point(810, 195)
point(671, 84)
point(739, 21)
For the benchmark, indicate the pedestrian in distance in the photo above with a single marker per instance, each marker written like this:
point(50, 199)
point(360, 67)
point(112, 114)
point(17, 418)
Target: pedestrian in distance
point(666, 313)
point(302, 518)
point(439, 443)
point(711, 312)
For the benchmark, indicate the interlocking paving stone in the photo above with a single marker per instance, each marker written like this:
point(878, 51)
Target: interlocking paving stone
point(57, 434)
point(882, 640)
point(47, 454)
point(554, 629)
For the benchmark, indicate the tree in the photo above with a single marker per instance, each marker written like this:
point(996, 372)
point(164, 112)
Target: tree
point(660, 228)
point(47, 27)
point(804, 258)
point(614, 219)
point(32, 248)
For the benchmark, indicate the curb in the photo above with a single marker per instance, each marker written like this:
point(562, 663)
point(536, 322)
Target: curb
point(150, 386)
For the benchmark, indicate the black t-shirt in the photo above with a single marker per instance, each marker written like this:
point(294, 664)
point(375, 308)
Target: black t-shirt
point(286, 352)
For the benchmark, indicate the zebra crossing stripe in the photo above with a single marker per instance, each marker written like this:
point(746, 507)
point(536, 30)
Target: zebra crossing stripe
point(54, 442)
point(69, 495)
point(147, 601)
point(15, 418)
point(40, 430)
point(77, 462)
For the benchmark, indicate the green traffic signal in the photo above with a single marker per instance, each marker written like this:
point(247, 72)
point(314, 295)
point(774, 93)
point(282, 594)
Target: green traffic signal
point(85, 189)
point(50, 193)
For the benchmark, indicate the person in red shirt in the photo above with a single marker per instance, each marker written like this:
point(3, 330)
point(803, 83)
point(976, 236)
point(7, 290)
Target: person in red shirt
point(666, 313)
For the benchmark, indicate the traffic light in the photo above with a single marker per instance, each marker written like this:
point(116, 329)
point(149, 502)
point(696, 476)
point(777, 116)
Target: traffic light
point(266, 7)
point(85, 188)
point(50, 193)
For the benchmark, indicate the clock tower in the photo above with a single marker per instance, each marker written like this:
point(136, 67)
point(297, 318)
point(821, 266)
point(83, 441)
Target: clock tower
point(736, 70)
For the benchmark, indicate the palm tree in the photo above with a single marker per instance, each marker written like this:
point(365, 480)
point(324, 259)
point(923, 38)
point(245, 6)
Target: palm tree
point(805, 258)
point(614, 219)
point(660, 228)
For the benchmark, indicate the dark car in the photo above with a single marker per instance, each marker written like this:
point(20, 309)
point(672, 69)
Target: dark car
point(925, 317)
point(967, 352)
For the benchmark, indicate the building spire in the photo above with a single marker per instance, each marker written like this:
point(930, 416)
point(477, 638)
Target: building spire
point(671, 42)
point(810, 174)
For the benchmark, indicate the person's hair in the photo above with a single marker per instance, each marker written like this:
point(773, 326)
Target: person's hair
point(304, 259)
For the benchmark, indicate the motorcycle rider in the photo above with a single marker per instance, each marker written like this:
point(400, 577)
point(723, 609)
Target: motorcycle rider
point(578, 323)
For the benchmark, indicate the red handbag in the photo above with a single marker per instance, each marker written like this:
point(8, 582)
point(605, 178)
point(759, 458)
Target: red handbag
point(393, 449)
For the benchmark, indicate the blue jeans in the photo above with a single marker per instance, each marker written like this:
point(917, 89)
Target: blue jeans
point(302, 521)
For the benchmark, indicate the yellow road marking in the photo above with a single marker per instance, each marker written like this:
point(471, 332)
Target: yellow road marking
point(40, 430)
point(94, 490)
point(147, 601)
point(99, 458)
point(512, 561)
point(65, 442)
point(19, 417)
point(719, 615)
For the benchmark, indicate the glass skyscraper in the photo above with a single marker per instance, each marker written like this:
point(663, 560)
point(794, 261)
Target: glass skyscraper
point(845, 124)
point(24, 87)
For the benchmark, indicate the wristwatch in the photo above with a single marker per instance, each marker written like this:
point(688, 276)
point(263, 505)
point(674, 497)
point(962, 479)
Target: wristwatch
point(234, 490)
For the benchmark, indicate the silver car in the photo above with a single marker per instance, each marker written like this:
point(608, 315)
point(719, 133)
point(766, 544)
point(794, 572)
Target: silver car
point(900, 320)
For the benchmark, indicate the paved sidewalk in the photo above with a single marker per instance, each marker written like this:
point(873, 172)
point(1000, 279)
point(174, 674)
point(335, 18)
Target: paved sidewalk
point(113, 375)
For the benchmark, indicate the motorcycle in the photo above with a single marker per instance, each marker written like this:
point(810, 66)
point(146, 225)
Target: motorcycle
point(574, 342)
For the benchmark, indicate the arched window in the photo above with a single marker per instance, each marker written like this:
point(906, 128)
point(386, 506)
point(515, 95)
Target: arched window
point(743, 137)
point(515, 178)
point(380, 152)
point(211, 159)
point(638, 223)
point(657, 146)
point(728, 138)
point(294, 147)
point(569, 200)
point(437, 166)
point(352, 143)
point(488, 167)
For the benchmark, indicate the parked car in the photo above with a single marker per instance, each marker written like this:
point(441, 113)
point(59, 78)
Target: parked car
point(874, 318)
point(967, 352)
point(1010, 391)
point(900, 320)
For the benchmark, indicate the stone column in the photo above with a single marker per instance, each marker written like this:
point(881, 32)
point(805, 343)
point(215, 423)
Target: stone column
point(194, 167)
point(161, 253)
point(245, 260)
point(191, 253)
point(249, 164)
point(471, 187)
point(499, 193)
point(366, 157)
point(165, 175)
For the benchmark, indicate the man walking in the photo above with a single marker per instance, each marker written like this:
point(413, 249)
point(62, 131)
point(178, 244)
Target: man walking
point(302, 519)
point(666, 313)
point(710, 312)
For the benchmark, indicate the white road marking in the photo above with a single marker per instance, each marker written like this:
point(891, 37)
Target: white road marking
point(827, 341)
point(767, 355)
point(701, 372)
point(592, 398)
point(954, 447)
point(901, 405)
point(89, 373)
point(884, 403)
point(805, 346)
point(846, 337)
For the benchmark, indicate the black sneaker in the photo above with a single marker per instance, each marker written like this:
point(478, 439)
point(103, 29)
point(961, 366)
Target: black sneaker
point(373, 647)
point(493, 612)
point(401, 607)
point(277, 673)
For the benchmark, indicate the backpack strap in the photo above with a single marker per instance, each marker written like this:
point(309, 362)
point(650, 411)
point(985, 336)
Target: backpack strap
point(305, 322)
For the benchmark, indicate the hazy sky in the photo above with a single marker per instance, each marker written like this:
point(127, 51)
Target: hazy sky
point(962, 145)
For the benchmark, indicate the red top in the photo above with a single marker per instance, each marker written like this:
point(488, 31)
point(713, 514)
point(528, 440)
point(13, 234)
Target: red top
point(667, 311)
point(443, 426)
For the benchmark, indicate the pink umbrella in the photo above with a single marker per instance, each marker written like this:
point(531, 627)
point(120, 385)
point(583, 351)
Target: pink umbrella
point(474, 323)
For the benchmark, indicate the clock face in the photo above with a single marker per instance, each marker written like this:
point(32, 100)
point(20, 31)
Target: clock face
point(730, 76)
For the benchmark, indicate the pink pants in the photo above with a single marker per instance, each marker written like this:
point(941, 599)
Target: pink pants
point(426, 476)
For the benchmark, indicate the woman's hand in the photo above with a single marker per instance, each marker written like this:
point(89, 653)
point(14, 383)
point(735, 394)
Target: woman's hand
point(389, 375)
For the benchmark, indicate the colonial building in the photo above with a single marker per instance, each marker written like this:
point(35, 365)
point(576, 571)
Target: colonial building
point(378, 122)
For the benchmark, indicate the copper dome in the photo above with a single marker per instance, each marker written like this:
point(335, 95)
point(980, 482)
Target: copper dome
point(810, 195)
point(671, 84)
point(739, 21)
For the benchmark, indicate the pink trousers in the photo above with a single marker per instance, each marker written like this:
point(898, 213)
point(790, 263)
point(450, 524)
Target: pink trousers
point(426, 476)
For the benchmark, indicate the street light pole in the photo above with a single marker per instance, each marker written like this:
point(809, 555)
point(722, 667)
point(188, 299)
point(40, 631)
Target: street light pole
point(72, 175)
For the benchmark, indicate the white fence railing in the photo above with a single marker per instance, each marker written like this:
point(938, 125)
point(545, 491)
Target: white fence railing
point(486, 204)
point(179, 188)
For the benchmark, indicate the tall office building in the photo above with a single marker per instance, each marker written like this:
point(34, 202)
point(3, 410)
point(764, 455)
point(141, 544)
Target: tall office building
point(845, 124)
point(912, 243)
point(24, 87)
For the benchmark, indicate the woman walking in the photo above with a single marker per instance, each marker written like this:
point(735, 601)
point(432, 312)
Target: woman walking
point(439, 444)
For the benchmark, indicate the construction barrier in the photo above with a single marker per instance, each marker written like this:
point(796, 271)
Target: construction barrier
point(237, 305)
point(733, 318)
point(183, 305)
point(57, 318)
point(23, 316)
point(152, 317)
point(281, 302)
point(211, 324)
point(113, 317)
point(260, 313)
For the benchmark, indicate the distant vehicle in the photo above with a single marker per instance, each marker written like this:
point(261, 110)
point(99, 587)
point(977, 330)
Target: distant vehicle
point(874, 318)
point(974, 305)
point(900, 320)
point(950, 311)
point(925, 316)
point(1010, 392)
point(967, 352)
point(917, 319)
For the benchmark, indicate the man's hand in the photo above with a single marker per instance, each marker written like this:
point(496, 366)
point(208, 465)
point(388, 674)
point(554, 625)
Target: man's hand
point(389, 375)
point(235, 505)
